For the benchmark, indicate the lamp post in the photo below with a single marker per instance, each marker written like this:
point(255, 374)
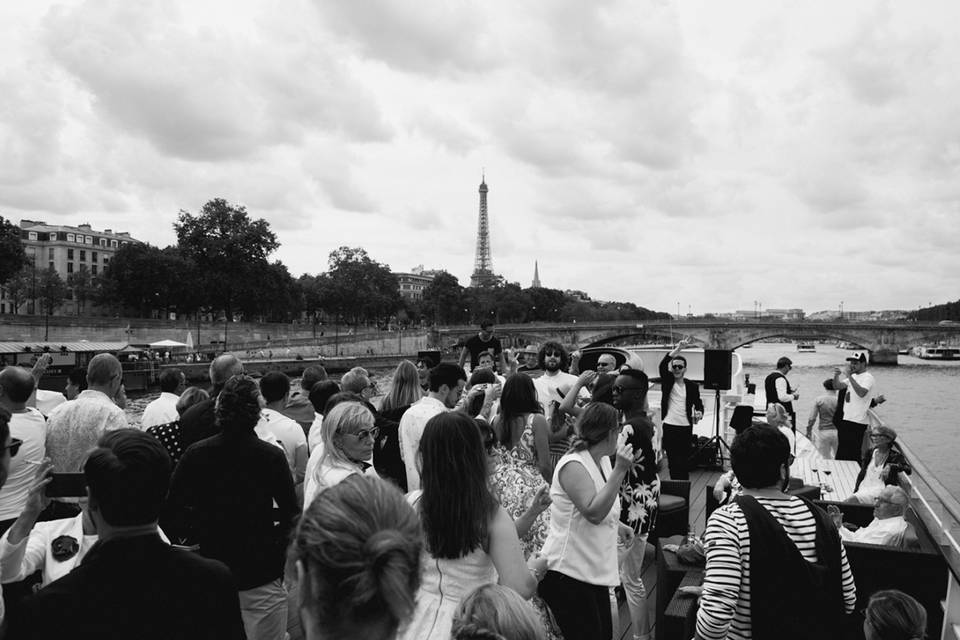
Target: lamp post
point(841, 310)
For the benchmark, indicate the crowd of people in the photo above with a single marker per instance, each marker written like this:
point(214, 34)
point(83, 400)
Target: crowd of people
point(512, 502)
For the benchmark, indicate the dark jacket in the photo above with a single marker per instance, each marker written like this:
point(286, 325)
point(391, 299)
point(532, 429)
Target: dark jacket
point(896, 460)
point(666, 385)
point(138, 587)
point(198, 422)
point(386, 450)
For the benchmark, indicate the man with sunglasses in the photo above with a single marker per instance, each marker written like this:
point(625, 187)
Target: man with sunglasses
point(778, 389)
point(27, 425)
point(680, 409)
point(555, 383)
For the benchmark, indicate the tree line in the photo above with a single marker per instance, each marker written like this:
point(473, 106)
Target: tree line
point(220, 268)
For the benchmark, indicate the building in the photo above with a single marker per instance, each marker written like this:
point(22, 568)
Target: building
point(413, 283)
point(67, 249)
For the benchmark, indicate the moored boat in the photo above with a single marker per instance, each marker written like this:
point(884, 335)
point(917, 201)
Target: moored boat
point(806, 347)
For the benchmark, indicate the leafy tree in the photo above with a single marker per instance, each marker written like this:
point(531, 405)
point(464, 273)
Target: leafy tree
point(360, 288)
point(443, 301)
point(80, 282)
point(13, 257)
point(21, 286)
point(229, 249)
point(145, 278)
point(51, 290)
point(274, 295)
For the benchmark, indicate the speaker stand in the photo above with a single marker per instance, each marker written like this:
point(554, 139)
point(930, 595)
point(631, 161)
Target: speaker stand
point(717, 438)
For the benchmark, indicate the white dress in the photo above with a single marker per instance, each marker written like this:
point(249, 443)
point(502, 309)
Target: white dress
point(445, 583)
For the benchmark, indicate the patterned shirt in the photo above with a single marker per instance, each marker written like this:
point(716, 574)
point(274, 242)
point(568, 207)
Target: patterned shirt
point(725, 606)
point(74, 428)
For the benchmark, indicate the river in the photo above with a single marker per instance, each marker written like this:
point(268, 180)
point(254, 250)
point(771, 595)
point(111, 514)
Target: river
point(921, 402)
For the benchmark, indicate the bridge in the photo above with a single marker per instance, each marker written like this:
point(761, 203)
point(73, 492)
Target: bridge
point(881, 339)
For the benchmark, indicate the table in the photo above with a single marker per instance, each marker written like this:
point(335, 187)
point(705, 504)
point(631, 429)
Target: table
point(840, 475)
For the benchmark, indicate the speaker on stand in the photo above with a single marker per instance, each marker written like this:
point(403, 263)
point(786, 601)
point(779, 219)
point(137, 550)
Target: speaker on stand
point(717, 375)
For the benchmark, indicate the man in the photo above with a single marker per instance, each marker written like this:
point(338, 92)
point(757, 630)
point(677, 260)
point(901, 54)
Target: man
point(447, 381)
point(163, 410)
point(778, 389)
point(860, 392)
point(824, 408)
point(198, 421)
point(299, 408)
point(132, 584)
point(486, 361)
point(483, 341)
point(74, 427)
point(357, 381)
point(76, 382)
point(640, 490)
point(223, 494)
point(10, 448)
point(680, 409)
point(275, 388)
point(531, 360)
point(27, 425)
point(888, 526)
point(606, 363)
point(775, 565)
point(555, 382)
point(426, 360)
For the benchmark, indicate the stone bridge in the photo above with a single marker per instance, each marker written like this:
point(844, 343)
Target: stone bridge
point(881, 339)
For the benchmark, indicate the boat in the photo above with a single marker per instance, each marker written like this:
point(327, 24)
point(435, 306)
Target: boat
point(138, 374)
point(939, 353)
point(806, 347)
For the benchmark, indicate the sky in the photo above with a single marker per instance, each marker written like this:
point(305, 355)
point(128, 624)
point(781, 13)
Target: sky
point(700, 155)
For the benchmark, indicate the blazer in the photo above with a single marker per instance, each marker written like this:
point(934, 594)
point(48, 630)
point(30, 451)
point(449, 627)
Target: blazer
point(896, 460)
point(666, 385)
point(137, 587)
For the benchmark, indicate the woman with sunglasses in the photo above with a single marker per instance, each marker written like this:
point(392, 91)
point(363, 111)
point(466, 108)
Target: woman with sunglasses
point(470, 539)
point(881, 465)
point(348, 438)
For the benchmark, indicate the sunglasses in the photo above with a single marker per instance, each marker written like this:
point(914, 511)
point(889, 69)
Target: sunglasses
point(14, 446)
point(620, 389)
point(678, 367)
point(364, 434)
point(548, 354)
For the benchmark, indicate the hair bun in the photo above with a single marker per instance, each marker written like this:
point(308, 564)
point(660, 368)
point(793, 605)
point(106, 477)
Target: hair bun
point(473, 631)
point(390, 564)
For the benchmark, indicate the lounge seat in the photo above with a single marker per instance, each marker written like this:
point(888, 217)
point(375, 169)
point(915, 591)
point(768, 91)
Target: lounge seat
point(673, 512)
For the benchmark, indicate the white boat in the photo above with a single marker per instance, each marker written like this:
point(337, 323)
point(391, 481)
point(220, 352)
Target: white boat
point(806, 347)
point(939, 353)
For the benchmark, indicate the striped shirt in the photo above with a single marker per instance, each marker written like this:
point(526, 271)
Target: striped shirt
point(725, 604)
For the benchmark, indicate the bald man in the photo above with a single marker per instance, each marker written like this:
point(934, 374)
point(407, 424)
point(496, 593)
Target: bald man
point(73, 428)
point(198, 422)
point(26, 424)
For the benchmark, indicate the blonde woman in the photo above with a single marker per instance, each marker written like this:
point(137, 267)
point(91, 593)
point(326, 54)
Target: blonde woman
point(348, 436)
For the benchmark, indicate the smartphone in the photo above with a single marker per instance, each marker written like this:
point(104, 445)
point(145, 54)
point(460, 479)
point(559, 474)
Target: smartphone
point(67, 485)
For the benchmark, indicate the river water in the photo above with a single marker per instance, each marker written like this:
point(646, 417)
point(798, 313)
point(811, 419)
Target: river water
point(921, 398)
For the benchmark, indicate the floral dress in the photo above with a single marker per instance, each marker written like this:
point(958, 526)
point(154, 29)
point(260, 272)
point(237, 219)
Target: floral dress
point(515, 481)
point(640, 490)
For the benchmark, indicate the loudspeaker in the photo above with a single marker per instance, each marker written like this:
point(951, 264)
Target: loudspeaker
point(717, 369)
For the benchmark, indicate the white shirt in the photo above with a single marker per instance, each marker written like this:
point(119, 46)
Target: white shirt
point(288, 433)
point(550, 387)
point(74, 428)
point(31, 427)
point(780, 384)
point(410, 431)
point(854, 407)
point(315, 437)
point(677, 406)
point(331, 473)
point(163, 410)
point(47, 401)
point(886, 531)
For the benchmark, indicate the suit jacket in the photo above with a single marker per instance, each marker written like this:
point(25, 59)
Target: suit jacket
point(666, 386)
point(138, 587)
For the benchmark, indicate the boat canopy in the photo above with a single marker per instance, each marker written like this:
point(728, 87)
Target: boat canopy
point(167, 344)
point(61, 347)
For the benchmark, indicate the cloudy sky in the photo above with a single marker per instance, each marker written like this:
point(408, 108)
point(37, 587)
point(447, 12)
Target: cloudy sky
point(711, 154)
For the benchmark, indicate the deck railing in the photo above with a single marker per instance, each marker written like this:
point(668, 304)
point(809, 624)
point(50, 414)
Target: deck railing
point(940, 513)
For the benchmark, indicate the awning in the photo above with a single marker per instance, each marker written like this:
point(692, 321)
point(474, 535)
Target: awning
point(166, 344)
point(56, 347)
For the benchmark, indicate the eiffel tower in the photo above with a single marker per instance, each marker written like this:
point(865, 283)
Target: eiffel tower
point(483, 275)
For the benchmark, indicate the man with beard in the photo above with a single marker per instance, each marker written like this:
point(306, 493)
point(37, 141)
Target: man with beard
point(555, 382)
point(639, 492)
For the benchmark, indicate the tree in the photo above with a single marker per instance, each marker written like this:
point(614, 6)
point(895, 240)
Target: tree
point(13, 257)
point(80, 282)
point(361, 288)
point(21, 286)
point(51, 290)
point(229, 250)
point(145, 278)
point(443, 299)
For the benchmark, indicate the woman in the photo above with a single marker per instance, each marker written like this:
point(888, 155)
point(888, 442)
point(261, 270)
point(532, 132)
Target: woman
point(169, 434)
point(581, 547)
point(357, 553)
point(493, 611)
point(470, 539)
point(881, 466)
point(404, 391)
point(348, 437)
point(893, 615)
point(800, 445)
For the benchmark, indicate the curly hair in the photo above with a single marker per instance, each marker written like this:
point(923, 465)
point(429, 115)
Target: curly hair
point(238, 405)
point(553, 346)
point(359, 546)
point(495, 612)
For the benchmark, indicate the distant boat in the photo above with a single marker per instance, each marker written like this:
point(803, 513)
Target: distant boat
point(847, 345)
point(806, 347)
point(939, 353)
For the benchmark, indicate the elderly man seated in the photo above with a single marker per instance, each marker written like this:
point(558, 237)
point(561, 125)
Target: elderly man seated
point(888, 526)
